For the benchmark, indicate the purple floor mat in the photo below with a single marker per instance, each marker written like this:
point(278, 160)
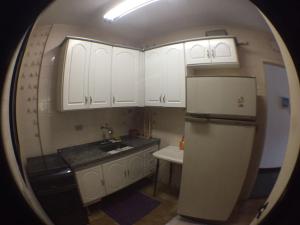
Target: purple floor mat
point(128, 207)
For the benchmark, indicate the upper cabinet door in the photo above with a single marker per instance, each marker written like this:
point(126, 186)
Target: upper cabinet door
point(223, 50)
point(75, 75)
point(153, 77)
point(125, 77)
point(100, 76)
point(197, 52)
point(174, 76)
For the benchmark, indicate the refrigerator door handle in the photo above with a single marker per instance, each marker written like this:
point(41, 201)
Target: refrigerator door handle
point(233, 122)
point(195, 119)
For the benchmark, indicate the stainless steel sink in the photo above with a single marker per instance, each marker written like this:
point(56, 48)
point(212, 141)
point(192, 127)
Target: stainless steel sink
point(112, 146)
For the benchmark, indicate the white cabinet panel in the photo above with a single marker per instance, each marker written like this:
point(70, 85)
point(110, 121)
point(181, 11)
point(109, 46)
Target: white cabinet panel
point(197, 52)
point(165, 76)
point(100, 76)
point(135, 166)
point(223, 50)
point(174, 76)
point(125, 77)
point(212, 52)
point(91, 184)
point(75, 75)
point(153, 77)
point(115, 175)
point(154, 71)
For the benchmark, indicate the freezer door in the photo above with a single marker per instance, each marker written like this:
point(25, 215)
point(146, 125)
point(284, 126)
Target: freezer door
point(216, 159)
point(222, 96)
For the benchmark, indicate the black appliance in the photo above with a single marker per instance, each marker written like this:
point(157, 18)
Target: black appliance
point(55, 187)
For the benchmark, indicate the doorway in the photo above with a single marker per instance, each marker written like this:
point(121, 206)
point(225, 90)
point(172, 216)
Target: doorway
point(277, 129)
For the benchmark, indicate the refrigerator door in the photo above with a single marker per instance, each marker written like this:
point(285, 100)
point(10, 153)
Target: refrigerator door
point(222, 96)
point(215, 163)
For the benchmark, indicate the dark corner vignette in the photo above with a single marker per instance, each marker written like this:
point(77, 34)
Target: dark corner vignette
point(285, 17)
point(17, 16)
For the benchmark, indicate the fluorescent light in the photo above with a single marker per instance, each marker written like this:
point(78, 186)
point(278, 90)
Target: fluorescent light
point(125, 7)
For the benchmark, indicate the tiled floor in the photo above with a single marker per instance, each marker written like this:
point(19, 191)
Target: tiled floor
point(165, 213)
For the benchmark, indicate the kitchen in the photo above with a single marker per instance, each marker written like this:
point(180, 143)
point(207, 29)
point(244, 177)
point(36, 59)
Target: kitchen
point(46, 124)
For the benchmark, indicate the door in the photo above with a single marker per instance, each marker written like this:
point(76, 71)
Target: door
point(135, 166)
point(100, 76)
point(174, 76)
point(75, 81)
point(115, 175)
point(278, 117)
point(223, 50)
point(125, 77)
point(91, 184)
point(149, 160)
point(215, 164)
point(153, 77)
point(197, 52)
point(222, 96)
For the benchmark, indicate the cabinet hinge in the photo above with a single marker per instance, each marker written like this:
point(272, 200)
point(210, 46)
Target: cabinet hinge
point(261, 210)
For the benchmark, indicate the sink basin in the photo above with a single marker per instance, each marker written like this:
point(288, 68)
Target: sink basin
point(112, 146)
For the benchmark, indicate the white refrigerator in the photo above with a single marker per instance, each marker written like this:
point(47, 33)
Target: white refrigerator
point(219, 134)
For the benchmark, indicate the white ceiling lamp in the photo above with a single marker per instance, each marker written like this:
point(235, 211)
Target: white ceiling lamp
point(125, 7)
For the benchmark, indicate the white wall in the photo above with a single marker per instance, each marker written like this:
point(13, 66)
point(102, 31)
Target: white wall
point(278, 117)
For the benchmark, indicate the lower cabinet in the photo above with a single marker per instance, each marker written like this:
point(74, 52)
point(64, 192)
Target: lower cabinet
point(91, 184)
point(101, 180)
point(115, 175)
point(149, 160)
point(135, 164)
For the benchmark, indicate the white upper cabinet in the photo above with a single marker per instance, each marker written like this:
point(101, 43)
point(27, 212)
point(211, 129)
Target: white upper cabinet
point(86, 76)
point(100, 76)
point(174, 76)
point(223, 51)
point(125, 77)
point(165, 76)
point(74, 82)
point(153, 77)
point(212, 52)
point(197, 52)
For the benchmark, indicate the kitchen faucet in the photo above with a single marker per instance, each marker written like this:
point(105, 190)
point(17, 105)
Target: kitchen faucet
point(109, 131)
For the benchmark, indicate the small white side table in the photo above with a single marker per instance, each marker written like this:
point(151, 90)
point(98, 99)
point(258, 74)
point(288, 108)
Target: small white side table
point(171, 154)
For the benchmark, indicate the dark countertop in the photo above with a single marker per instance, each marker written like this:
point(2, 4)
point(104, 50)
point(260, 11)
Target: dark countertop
point(86, 155)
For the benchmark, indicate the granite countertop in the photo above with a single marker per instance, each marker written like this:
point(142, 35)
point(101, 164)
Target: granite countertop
point(82, 156)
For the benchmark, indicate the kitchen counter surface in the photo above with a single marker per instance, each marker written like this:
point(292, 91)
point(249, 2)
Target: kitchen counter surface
point(86, 155)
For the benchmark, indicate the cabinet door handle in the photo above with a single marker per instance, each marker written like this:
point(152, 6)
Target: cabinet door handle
point(213, 53)
point(114, 99)
point(208, 54)
point(160, 98)
point(102, 182)
point(128, 172)
point(125, 173)
point(91, 99)
point(86, 100)
point(164, 98)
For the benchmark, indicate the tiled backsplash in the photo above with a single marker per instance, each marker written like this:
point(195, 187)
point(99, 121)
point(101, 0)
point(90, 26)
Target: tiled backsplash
point(27, 93)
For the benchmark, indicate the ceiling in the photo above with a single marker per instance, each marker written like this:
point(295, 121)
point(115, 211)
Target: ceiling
point(161, 17)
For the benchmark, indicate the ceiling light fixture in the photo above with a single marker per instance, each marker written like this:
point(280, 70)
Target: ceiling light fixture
point(125, 7)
